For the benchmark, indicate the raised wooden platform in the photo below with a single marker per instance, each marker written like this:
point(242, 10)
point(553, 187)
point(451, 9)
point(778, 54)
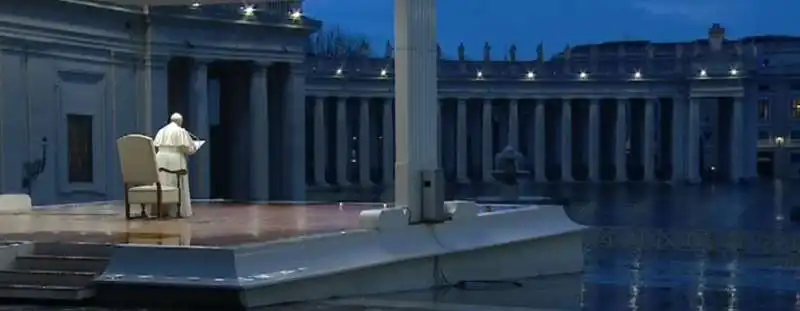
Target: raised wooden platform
point(213, 224)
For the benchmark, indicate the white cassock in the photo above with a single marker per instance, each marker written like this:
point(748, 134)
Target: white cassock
point(174, 143)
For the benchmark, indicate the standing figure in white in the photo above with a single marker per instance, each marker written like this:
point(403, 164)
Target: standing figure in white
point(173, 143)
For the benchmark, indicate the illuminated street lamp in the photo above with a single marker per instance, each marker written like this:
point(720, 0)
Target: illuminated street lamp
point(779, 141)
point(248, 10)
point(295, 15)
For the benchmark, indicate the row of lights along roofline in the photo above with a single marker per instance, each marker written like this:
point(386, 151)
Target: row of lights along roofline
point(530, 75)
point(249, 10)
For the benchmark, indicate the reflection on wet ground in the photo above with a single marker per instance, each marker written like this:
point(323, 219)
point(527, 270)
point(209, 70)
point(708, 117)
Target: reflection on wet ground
point(653, 247)
point(212, 224)
point(658, 247)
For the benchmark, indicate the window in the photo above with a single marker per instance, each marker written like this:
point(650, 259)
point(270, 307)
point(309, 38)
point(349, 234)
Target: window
point(763, 135)
point(795, 135)
point(796, 108)
point(794, 158)
point(79, 148)
point(763, 87)
point(763, 109)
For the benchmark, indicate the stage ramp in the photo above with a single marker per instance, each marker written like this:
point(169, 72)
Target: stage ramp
point(386, 255)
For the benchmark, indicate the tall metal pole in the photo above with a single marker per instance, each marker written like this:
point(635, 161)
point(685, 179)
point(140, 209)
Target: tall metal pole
point(416, 106)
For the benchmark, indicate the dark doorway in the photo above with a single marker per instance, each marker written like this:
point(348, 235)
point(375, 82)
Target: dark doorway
point(765, 165)
point(229, 131)
point(178, 91)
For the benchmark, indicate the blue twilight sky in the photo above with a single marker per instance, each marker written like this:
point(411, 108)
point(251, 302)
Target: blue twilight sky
point(561, 22)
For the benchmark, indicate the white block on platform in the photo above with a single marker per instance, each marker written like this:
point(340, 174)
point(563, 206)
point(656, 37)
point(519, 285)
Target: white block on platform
point(15, 203)
point(384, 218)
point(462, 209)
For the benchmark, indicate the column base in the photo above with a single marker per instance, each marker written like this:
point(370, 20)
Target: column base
point(463, 180)
point(344, 184)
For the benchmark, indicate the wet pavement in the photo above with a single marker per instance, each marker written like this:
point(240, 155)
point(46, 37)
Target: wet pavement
point(652, 247)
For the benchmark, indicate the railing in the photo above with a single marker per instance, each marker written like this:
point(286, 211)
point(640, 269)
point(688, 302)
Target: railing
point(278, 6)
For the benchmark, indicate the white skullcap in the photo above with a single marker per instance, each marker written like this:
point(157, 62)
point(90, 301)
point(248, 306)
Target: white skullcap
point(176, 117)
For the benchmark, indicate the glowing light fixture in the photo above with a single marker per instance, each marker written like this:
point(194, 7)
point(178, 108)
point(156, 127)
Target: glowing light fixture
point(583, 75)
point(703, 73)
point(479, 74)
point(384, 73)
point(195, 4)
point(637, 75)
point(530, 75)
point(734, 72)
point(339, 71)
point(296, 15)
point(779, 141)
point(248, 10)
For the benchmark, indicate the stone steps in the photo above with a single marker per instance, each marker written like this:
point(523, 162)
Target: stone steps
point(46, 278)
point(61, 263)
point(54, 271)
point(50, 293)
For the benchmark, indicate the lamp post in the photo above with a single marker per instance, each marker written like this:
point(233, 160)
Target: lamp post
point(778, 158)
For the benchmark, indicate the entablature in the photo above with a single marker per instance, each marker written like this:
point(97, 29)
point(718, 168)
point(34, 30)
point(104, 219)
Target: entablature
point(506, 89)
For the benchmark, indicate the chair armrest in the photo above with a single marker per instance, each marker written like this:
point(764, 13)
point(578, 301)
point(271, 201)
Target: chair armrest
point(176, 172)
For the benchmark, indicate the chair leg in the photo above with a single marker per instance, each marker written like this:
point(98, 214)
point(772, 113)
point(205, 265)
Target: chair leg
point(127, 204)
point(144, 210)
point(180, 199)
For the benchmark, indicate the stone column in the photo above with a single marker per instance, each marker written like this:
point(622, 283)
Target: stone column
point(566, 140)
point(416, 88)
point(342, 143)
point(648, 139)
point(296, 124)
point(320, 143)
point(260, 155)
point(154, 107)
point(364, 145)
point(513, 123)
point(737, 136)
point(487, 142)
point(461, 141)
point(388, 141)
point(693, 142)
point(621, 140)
point(593, 135)
point(200, 172)
point(540, 146)
point(678, 139)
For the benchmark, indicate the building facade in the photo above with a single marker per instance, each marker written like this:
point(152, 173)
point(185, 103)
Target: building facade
point(76, 75)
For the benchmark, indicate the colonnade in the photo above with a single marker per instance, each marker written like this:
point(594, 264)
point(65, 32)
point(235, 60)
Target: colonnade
point(562, 139)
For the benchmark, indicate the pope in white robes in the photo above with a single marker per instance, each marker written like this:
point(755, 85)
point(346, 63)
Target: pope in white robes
point(173, 144)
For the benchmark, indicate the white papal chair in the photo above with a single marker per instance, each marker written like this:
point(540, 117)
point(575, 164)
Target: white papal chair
point(137, 157)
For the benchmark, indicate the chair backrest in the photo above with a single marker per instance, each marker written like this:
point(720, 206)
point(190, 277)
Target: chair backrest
point(137, 157)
